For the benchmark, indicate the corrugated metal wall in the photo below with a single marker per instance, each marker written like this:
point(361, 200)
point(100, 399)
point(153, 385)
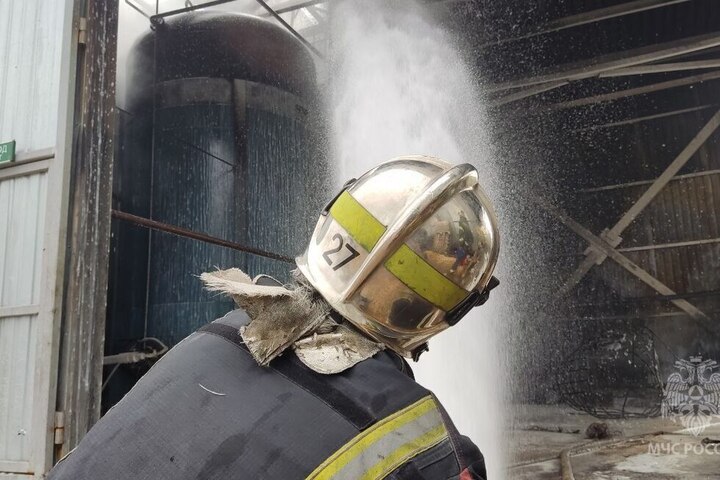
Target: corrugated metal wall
point(31, 52)
point(22, 215)
point(30, 45)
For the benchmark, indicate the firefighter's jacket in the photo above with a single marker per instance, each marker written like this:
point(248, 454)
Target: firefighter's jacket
point(207, 411)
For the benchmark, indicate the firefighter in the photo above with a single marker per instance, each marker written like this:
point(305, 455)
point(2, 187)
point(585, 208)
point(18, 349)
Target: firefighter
point(309, 380)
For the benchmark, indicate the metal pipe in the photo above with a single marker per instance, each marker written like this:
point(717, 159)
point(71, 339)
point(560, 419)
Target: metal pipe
point(647, 182)
point(592, 16)
point(157, 18)
point(290, 29)
point(297, 6)
point(182, 232)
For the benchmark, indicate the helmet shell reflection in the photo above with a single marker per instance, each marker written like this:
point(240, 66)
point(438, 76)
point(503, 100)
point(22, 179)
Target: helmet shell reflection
point(402, 246)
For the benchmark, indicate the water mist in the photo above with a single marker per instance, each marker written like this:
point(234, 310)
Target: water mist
point(399, 86)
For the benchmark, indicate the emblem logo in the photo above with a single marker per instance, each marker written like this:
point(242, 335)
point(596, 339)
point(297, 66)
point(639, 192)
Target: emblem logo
point(692, 394)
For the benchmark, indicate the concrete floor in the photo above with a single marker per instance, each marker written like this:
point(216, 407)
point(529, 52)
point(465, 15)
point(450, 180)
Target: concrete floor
point(631, 453)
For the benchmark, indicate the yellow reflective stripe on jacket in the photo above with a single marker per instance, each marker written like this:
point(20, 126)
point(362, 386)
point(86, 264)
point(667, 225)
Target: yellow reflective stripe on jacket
point(382, 448)
point(406, 265)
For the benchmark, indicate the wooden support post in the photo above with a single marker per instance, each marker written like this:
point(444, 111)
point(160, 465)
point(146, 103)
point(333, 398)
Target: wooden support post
point(83, 319)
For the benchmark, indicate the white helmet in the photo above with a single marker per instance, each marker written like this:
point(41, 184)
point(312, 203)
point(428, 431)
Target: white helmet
point(406, 250)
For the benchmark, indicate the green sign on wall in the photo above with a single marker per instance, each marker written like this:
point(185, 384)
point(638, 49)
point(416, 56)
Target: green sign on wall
point(7, 152)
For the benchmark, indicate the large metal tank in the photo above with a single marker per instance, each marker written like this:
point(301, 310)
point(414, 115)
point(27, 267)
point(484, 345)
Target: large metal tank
point(220, 137)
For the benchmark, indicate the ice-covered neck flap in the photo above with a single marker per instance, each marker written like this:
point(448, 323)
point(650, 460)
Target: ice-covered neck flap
point(291, 316)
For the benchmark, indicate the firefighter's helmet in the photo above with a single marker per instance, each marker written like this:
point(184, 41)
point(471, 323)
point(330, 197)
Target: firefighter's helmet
point(406, 250)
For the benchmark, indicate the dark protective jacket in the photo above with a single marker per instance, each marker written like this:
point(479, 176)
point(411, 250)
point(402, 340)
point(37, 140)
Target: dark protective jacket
point(206, 411)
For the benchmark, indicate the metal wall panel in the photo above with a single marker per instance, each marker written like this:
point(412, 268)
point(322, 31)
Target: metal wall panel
point(30, 51)
point(17, 371)
point(22, 215)
point(22, 212)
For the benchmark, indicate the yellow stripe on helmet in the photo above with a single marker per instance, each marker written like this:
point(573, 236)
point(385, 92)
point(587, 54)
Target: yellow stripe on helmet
point(406, 265)
point(357, 221)
point(411, 269)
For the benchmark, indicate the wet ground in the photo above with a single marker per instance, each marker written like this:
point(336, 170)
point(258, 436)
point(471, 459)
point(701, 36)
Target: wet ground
point(647, 449)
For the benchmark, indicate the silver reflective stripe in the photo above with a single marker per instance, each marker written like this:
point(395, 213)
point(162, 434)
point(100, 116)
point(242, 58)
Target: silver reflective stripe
point(385, 446)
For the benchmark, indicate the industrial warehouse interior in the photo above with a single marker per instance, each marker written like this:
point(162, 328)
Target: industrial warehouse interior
point(146, 142)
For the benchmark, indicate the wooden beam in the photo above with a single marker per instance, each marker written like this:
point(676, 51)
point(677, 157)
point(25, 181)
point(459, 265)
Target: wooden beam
point(595, 66)
point(609, 251)
point(85, 296)
point(596, 256)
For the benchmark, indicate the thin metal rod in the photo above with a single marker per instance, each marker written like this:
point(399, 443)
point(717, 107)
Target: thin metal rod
point(170, 13)
point(662, 68)
point(137, 9)
point(632, 121)
point(672, 169)
point(647, 182)
point(660, 246)
point(592, 16)
point(182, 232)
point(527, 92)
point(630, 92)
point(595, 256)
point(290, 28)
point(605, 248)
point(593, 67)
point(298, 5)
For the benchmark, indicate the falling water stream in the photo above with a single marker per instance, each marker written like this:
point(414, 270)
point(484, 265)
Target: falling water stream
point(399, 86)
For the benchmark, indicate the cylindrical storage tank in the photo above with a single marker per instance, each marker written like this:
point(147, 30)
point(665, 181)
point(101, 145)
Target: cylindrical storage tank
point(220, 137)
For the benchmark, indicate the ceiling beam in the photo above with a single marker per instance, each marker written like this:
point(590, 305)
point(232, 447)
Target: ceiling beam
point(614, 61)
point(631, 92)
point(609, 251)
point(595, 256)
point(662, 68)
point(291, 6)
point(647, 182)
point(592, 16)
point(631, 121)
point(527, 92)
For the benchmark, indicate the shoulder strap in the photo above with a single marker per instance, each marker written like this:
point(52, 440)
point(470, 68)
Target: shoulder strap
point(291, 368)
